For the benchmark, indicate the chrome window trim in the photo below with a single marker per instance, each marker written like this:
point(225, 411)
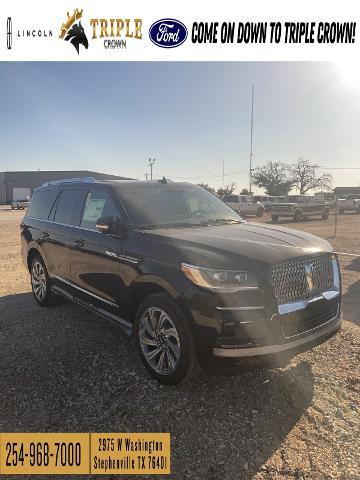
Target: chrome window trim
point(84, 290)
point(66, 225)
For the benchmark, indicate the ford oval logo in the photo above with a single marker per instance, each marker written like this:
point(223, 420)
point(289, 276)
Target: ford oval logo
point(168, 33)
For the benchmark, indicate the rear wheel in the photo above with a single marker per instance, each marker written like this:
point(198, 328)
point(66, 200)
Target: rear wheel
point(260, 212)
point(275, 218)
point(325, 214)
point(40, 283)
point(341, 211)
point(165, 341)
point(298, 216)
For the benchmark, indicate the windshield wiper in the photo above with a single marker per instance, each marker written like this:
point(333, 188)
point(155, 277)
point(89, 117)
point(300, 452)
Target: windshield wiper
point(220, 221)
point(167, 225)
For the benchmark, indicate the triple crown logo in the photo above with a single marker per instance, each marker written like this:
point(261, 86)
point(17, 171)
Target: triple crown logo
point(74, 31)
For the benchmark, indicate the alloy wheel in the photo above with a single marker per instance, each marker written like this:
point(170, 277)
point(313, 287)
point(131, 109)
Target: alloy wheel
point(159, 340)
point(38, 280)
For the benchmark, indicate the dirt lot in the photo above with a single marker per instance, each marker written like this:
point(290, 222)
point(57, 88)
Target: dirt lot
point(64, 369)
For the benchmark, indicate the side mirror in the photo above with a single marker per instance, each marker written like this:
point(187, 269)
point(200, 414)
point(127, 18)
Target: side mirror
point(111, 226)
point(105, 224)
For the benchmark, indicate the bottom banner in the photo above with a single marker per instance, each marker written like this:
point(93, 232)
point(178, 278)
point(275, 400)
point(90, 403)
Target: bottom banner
point(84, 453)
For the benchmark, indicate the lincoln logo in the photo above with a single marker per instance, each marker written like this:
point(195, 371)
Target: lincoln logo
point(9, 33)
point(309, 276)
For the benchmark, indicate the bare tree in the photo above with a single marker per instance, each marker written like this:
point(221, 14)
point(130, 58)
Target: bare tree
point(274, 177)
point(207, 187)
point(305, 177)
point(227, 190)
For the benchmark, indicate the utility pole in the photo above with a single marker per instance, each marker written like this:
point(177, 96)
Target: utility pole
point(251, 138)
point(223, 173)
point(151, 163)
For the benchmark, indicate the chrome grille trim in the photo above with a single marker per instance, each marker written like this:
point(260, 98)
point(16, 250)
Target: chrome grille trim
point(290, 281)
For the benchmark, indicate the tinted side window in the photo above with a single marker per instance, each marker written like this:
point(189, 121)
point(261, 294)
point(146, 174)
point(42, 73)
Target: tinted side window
point(41, 204)
point(68, 204)
point(98, 204)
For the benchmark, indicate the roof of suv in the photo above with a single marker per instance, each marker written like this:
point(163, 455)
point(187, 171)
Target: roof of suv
point(115, 183)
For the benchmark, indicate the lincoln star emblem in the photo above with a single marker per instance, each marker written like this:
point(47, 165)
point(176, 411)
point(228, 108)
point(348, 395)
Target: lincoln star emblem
point(309, 276)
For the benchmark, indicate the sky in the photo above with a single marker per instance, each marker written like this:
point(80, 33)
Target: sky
point(189, 116)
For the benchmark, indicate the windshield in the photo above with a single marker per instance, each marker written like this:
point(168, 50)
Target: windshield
point(157, 205)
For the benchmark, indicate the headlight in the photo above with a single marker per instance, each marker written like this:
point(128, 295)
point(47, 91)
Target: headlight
point(223, 280)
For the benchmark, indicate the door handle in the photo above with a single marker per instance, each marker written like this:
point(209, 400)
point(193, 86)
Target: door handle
point(77, 243)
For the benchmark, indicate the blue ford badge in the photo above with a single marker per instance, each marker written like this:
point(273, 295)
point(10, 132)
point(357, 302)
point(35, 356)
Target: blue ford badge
point(168, 33)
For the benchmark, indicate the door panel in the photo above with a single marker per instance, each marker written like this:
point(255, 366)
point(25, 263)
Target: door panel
point(95, 256)
point(94, 260)
point(57, 233)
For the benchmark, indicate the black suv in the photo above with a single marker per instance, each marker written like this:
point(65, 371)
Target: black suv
point(181, 272)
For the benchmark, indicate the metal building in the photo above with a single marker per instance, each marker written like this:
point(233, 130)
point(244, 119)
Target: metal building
point(20, 185)
point(340, 191)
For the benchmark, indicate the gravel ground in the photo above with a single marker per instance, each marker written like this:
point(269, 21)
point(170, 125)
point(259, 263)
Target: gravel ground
point(64, 369)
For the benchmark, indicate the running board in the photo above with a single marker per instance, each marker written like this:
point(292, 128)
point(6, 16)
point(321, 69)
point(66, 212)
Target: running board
point(123, 324)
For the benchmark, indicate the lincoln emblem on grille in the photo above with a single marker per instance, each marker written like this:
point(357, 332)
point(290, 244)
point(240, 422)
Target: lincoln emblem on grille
point(309, 275)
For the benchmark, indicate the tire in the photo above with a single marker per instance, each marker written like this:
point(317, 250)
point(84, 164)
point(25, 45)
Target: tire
point(260, 212)
point(40, 283)
point(275, 218)
point(325, 214)
point(298, 216)
point(341, 211)
point(177, 350)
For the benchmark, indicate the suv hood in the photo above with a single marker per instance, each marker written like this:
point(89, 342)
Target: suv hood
point(231, 245)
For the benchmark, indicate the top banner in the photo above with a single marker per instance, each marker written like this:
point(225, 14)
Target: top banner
point(143, 31)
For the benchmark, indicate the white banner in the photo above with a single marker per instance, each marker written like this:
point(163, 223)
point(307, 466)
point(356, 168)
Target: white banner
point(169, 31)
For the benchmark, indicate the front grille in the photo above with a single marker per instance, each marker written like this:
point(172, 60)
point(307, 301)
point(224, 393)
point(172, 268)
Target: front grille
point(314, 316)
point(291, 282)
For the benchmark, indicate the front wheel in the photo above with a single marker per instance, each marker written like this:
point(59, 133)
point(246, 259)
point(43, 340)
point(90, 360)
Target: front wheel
point(260, 212)
point(165, 340)
point(341, 211)
point(275, 218)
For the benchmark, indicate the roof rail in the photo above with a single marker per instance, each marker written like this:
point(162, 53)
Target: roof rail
point(70, 180)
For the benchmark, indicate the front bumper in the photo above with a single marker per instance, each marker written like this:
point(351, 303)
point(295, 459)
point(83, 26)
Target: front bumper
point(289, 348)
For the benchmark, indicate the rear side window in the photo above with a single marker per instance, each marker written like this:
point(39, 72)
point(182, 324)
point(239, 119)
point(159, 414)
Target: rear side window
point(98, 204)
point(230, 198)
point(68, 205)
point(41, 204)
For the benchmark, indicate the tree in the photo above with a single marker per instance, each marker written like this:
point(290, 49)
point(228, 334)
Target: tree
point(227, 190)
point(305, 177)
point(207, 187)
point(274, 177)
point(244, 191)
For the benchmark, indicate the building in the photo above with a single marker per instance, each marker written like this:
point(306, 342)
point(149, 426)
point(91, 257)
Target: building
point(341, 191)
point(20, 185)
